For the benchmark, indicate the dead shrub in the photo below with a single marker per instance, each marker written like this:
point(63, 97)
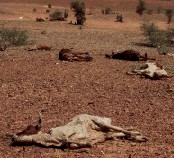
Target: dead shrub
point(13, 36)
point(57, 15)
point(158, 38)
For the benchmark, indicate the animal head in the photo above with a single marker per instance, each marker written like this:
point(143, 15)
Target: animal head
point(31, 129)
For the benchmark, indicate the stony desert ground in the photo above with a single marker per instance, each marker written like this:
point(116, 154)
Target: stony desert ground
point(37, 81)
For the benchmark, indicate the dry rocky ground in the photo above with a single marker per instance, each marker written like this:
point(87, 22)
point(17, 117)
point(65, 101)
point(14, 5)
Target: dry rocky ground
point(38, 81)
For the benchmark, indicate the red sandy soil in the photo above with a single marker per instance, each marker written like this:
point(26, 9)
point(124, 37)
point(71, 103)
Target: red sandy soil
point(38, 81)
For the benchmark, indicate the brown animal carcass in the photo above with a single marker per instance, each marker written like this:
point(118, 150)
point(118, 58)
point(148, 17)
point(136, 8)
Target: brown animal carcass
point(130, 55)
point(82, 131)
point(70, 55)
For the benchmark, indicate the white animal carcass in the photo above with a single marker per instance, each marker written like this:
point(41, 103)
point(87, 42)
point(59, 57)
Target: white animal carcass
point(83, 131)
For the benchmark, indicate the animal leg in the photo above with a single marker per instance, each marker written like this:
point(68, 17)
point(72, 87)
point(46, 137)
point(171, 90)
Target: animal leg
point(132, 135)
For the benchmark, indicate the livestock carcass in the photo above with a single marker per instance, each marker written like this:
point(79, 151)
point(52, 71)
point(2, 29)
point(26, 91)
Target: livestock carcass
point(70, 55)
point(151, 70)
point(130, 55)
point(82, 131)
point(39, 47)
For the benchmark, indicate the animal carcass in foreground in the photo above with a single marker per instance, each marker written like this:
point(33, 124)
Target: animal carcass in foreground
point(82, 131)
point(151, 70)
point(130, 55)
point(70, 55)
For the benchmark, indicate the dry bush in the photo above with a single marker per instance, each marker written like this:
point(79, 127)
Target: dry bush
point(79, 8)
point(57, 15)
point(48, 11)
point(13, 36)
point(140, 7)
point(34, 9)
point(106, 10)
point(119, 18)
point(49, 6)
point(149, 11)
point(158, 38)
point(169, 14)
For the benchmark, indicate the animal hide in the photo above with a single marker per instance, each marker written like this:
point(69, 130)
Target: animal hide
point(151, 70)
point(83, 131)
point(130, 55)
point(70, 55)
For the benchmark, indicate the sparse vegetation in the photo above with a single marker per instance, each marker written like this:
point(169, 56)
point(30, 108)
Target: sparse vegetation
point(34, 9)
point(158, 38)
point(13, 36)
point(119, 18)
point(43, 32)
point(149, 11)
point(169, 13)
point(102, 11)
point(140, 7)
point(159, 10)
point(66, 13)
point(106, 10)
point(48, 10)
point(57, 15)
point(79, 8)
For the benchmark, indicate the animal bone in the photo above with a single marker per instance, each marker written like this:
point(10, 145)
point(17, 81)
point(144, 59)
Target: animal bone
point(130, 55)
point(83, 131)
point(69, 55)
point(151, 70)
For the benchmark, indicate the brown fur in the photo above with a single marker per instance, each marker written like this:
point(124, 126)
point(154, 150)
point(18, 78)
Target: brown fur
point(130, 55)
point(70, 55)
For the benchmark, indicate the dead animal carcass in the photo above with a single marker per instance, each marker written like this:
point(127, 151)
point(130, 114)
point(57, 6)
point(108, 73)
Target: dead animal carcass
point(39, 47)
point(70, 55)
point(151, 70)
point(82, 131)
point(130, 55)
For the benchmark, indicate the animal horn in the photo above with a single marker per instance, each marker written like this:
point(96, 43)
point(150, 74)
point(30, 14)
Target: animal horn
point(39, 122)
